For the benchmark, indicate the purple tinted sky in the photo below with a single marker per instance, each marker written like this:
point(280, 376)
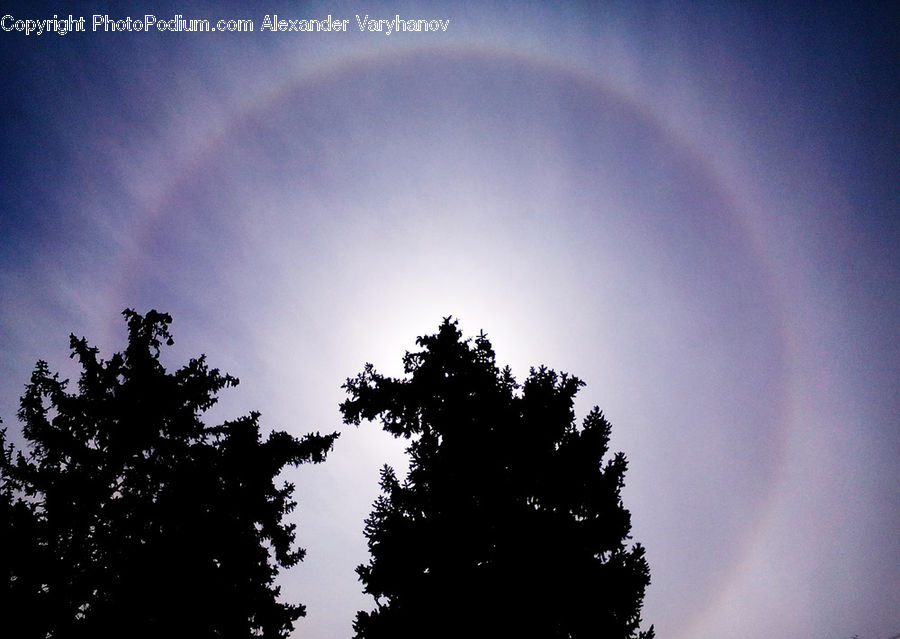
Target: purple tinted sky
point(693, 210)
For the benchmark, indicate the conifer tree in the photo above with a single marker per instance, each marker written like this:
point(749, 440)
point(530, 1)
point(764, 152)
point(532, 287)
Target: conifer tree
point(510, 522)
point(127, 516)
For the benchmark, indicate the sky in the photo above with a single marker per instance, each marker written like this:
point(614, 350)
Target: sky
point(692, 208)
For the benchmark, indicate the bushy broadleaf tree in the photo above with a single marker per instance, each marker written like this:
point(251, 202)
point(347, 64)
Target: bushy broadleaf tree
point(510, 521)
point(127, 516)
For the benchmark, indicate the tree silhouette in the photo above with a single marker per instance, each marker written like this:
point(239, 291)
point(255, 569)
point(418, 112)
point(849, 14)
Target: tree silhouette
point(510, 521)
point(126, 516)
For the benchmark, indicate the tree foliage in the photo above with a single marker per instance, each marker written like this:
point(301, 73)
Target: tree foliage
point(127, 516)
point(510, 521)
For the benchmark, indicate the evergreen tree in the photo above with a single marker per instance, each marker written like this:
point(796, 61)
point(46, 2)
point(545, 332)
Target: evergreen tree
point(127, 516)
point(510, 521)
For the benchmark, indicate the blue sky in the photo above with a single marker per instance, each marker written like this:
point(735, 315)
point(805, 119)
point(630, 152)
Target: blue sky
point(693, 209)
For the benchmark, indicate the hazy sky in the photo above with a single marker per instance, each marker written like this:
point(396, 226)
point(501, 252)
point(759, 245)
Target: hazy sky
point(694, 210)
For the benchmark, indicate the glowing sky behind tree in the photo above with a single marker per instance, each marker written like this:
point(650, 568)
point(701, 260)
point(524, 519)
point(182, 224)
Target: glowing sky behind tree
point(693, 210)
